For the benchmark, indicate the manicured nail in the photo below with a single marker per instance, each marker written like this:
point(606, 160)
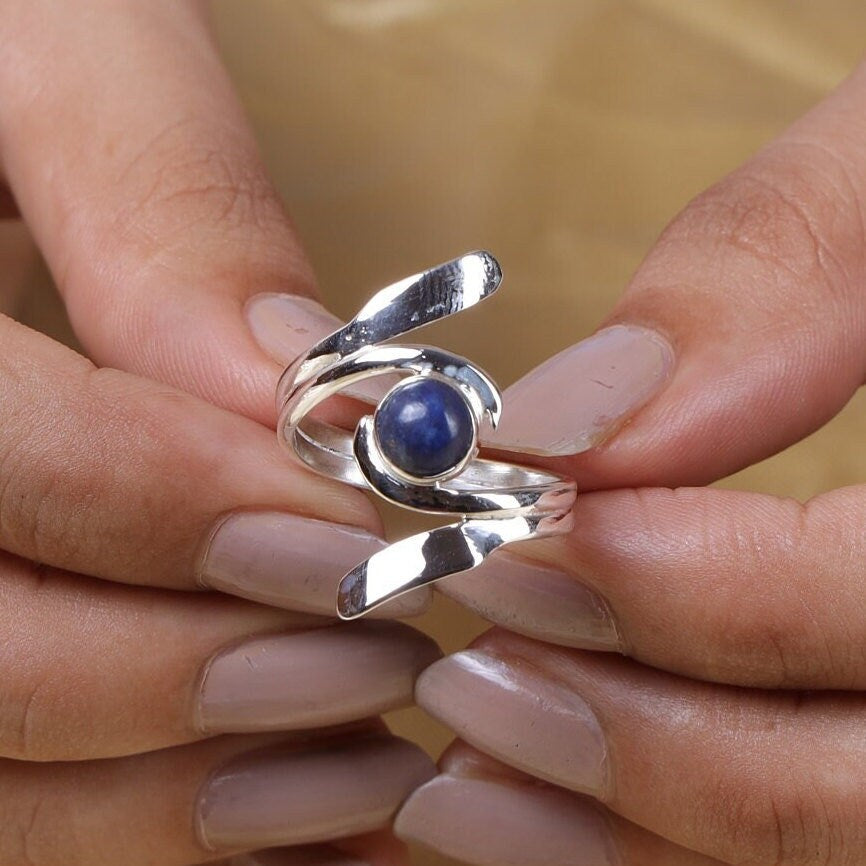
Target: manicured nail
point(286, 796)
point(290, 561)
point(499, 822)
point(536, 600)
point(287, 325)
point(581, 396)
point(304, 855)
point(512, 711)
point(313, 679)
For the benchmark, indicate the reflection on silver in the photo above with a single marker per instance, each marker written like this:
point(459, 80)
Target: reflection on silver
point(498, 502)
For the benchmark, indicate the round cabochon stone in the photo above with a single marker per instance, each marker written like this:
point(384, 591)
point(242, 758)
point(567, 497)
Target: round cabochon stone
point(424, 427)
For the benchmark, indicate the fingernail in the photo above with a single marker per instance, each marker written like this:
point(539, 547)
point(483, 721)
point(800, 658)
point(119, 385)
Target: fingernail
point(511, 711)
point(313, 679)
point(305, 855)
point(290, 561)
point(287, 325)
point(505, 823)
point(581, 396)
point(284, 796)
point(537, 601)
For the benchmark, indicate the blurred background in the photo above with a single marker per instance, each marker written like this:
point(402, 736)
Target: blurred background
point(560, 134)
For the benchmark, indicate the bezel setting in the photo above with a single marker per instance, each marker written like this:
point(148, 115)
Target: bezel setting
point(452, 471)
point(495, 502)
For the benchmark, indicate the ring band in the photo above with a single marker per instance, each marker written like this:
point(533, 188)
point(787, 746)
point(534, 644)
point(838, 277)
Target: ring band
point(419, 448)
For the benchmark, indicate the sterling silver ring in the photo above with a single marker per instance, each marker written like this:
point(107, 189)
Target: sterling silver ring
point(419, 448)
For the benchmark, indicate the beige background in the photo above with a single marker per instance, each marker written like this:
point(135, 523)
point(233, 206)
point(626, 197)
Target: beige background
point(560, 134)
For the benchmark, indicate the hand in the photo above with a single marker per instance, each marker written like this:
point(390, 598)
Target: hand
point(121, 497)
point(731, 727)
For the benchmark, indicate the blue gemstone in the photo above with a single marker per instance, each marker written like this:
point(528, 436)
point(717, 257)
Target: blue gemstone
point(424, 427)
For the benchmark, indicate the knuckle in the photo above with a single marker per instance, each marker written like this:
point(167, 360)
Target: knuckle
point(31, 835)
point(27, 711)
point(782, 825)
point(759, 215)
point(189, 177)
point(785, 645)
point(33, 676)
point(47, 508)
point(195, 204)
point(44, 491)
point(63, 516)
point(21, 721)
point(141, 440)
point(65, 498)
point(110, 492)
point(793, 214)
point(28, 498)
point(785, 636)
point(153, 425)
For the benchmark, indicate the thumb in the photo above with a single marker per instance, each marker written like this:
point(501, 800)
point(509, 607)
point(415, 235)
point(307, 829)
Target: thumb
point(742, 331)
point(159, 222)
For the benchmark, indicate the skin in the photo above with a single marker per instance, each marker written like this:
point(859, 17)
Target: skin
point(152, 208)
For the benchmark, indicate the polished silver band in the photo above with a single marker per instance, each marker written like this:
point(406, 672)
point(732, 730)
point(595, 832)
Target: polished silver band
point(498, 502)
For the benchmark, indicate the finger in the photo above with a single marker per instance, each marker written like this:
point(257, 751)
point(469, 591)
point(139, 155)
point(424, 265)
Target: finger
point(742, 331)
point(159, 221)
point(243, 668)
point(483, 812)
point(112, 476)
point(722, 585)
point(197, 802)
point(742, 775)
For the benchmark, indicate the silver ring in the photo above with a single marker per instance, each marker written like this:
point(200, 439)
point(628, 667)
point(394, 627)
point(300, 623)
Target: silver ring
point(419, 449)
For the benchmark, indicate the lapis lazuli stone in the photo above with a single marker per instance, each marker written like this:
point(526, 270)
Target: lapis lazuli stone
point(424, 427)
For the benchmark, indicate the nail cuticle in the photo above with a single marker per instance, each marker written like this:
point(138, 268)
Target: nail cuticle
point(196, 714)
point(204, 550)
